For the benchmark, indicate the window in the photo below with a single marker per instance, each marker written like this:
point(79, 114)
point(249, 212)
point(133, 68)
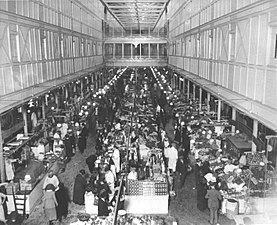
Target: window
point(275, 49)
point(43, 44)
point(62, 45)
point(14, 39)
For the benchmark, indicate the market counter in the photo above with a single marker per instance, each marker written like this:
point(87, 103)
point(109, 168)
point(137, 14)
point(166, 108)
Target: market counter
point(32, 197)
point(137, 204)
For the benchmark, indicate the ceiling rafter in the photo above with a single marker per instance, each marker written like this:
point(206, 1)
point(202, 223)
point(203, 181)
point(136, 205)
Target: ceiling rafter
point(136, 13)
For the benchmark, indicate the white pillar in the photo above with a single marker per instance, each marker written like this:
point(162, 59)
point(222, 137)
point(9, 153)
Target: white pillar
point(82, 87)
point(255, 134)
point(24, 115)
point(57, 99)
point(131, 51)
point(44, 114)
point(66, 92)
point(234, 117)
point(219, 110)
point(188, 89)
point(140, 50)
point(113, 50)
point(200, 99)
point(149, 55)
point(208, 101)
point(193, 92)
point(122, 53)
point(2, 160)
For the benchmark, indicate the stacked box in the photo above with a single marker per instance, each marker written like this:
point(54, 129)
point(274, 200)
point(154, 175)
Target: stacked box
point(26, 186)
point(161, 189)
point(135, 187)
point(148, 188)
point(14, 186)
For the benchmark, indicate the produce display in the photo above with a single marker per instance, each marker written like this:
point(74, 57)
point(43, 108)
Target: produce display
point(129, 220)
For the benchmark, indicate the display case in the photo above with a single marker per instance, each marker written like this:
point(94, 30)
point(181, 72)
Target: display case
point(146, 197)
point(237, 145)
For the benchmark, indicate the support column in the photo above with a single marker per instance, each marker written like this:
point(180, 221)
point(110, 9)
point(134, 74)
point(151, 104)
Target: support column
point(149, 55)
point(158, 52)
point(66, 91)
point(219, 110)
point(57, 99)
point(44, 114)
point(24, 115)
point(255, 134)
point(2, 160)
point(140, 50)
point(43, 107)
point(188, 90)
point(208, 101)
point(193, 92)
point(82, 88)
point(131, 51)
point(122, 49)
point(234, 118)
point(113, 50)
point(200, 99)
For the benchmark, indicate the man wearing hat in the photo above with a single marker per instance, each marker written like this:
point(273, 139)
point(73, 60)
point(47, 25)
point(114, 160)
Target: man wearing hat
point(182, 169)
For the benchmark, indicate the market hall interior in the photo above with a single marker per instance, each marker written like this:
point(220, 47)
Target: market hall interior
point(163, 101)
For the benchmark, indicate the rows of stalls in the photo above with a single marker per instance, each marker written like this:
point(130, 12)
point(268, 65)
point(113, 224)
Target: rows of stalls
point(143, 191)
point(244, 166)
point(30, 147)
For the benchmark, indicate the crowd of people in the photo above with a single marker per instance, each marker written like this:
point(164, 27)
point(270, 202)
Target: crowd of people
point(105, 164)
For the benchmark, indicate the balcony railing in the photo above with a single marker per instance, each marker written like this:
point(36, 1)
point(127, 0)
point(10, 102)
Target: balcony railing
point(115, 33)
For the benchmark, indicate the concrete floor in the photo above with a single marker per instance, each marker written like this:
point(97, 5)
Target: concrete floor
point(183, 207)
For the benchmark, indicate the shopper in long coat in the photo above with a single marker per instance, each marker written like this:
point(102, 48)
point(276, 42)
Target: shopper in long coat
point(68, 147)
point(49, 203)
point(103, 203)
point(80, 188)
point(82, 141)
point(63, 200)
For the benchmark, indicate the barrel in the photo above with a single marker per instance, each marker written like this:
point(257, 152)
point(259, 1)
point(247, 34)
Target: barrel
point(232, 208)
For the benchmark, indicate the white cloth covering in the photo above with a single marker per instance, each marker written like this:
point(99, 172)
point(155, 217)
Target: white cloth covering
point(39, 152)
point(172, 155)
point(34, 119)
point(229, 168)
point(133, 175)
point(9, 169)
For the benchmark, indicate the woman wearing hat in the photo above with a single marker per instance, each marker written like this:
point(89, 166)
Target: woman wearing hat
point(80, 188)
point(103, 203)
point(49, 203)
